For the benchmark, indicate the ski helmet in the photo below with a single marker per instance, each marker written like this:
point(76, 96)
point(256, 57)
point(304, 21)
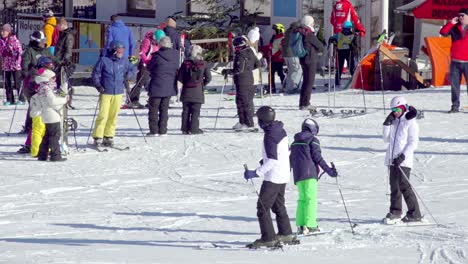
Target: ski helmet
point(158, 34)
point(45, 62)
point(115, 45)
point(398, 101)
point(38, 36)
point(266, 116)
point(239, 42)
point(278, 27)
point(47, 13)
point(310, 125)
point(347, 25)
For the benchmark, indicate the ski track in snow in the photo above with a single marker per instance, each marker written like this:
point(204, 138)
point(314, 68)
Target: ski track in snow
point(164, 200)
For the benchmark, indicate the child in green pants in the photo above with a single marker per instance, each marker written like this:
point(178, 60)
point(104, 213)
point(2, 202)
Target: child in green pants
point(305, 159)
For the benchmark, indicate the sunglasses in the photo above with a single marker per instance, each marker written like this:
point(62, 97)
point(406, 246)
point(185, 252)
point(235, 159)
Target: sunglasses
point(461, 15)
point(396, 110)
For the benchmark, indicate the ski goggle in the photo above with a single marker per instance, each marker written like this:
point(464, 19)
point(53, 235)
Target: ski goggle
point(397, 110)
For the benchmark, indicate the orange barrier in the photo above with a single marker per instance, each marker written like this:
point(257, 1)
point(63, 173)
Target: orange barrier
point(439, 53)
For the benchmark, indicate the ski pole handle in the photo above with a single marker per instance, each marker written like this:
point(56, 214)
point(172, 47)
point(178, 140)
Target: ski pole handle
point(245, 167)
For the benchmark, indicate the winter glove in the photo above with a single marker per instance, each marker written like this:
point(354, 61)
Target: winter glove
point(133, 60)
point(398, 160)
point(260, 162)
point(389, 120)
point(100, 89)
point(250, 174)
point(263, 63)
point(333, 173)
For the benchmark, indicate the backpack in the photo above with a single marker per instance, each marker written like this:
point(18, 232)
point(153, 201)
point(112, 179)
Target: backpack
point(297, 45)
point(192, 73)
point(55, 36)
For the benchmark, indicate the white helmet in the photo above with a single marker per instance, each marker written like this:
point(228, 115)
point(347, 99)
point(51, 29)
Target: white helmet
point(397, 101)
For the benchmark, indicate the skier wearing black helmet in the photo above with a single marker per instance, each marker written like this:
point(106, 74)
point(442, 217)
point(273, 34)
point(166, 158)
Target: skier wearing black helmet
point(274, 168)
point(245, 61)
point(306, 161)
point(110, 74)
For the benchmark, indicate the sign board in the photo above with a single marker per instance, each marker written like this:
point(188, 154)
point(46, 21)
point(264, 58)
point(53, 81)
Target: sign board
point(26, 27)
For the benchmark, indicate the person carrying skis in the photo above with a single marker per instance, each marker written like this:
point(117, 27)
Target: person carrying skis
point(274, 169)
point(63, 55)
point(11, 51)
point(306, 159)
point(312, 46)
point(344, 11)
point(163, 69)
point(110, 74)
point(246, 59)
point(194, 74)
point(401, 137)
point(50, 105)
point(292, 62)
point(457, 30)
point(29, 61)
point(276, 51)
point(345, 42)
point(149, 46)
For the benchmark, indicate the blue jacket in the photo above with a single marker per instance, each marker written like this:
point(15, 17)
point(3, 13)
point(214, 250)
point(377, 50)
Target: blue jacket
point(118, 31)
point(163, 68)
point(306, 157)
point(111, 73)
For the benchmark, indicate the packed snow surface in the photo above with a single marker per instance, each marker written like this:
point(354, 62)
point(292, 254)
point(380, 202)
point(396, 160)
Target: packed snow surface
point(171, 199)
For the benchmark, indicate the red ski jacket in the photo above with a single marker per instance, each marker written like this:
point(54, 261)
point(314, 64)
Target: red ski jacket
point(459, 40)
point(344, 11)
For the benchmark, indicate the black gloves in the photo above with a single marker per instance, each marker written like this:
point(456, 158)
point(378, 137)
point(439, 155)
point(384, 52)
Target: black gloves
point(389, 120)
point(398, 160)
point(333, 173)
point(100, 89)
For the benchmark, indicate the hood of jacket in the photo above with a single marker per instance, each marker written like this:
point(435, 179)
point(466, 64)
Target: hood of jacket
point(303, 136)
point(304, 30)
point(275, 126)
point(69, 31)
point(411, 113)
point(149, 35)
point(118, 23)
point(165, 54)
point(52, 21)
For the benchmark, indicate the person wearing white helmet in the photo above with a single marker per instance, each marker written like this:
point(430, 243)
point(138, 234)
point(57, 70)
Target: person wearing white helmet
point(401, 136)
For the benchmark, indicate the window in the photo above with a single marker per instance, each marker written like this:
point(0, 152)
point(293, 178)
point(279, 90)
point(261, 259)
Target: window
point(142, 8)
point(26, 6)
point(258, 11)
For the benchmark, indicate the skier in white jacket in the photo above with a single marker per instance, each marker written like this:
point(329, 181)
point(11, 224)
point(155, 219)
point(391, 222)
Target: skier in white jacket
point(401, 136)
point(49, 104)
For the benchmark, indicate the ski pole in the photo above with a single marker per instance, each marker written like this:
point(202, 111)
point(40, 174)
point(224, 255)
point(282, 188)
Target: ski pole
point(16, 107)
point(417, 194)
point(329, 76)
point(220, 97)
point(92, 123)
point(382, 81)
point(344, 203)
point(270, 78)
point(138, 121)
point(255, 188)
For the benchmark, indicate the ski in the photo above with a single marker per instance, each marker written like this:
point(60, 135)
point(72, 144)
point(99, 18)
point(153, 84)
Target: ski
point(214, 246)
point(249, 130)
point(98, 148)
point(399, 223)
point(118, 148)
point(312, 234)
point(314, 112)
point(352, 112)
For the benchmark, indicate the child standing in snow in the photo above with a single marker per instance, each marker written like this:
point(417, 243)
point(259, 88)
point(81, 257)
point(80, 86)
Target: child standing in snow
point(401, 136)
point(275, 171)
point(11, 51)
point(194, 74)
point(50, 108)
point(306, 158)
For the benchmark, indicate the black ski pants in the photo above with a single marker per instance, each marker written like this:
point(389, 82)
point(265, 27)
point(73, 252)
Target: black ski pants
point(309, 78)
point(50, 141)
point(276, 67)
point(344, 55)
point(457, 69)
point(272, 198)
point(191, 117)
point(399, 187)
point(10, 78)
point(142, 80)
point(158, 114)
point(245, 104)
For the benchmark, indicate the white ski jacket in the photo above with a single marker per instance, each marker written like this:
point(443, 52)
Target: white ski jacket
point(275, 167)
point(402, 136)
point(50, 104)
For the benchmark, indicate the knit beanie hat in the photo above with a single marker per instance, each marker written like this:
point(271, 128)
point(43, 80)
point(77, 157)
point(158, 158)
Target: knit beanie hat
point(307, 21)
point(254, 35)
point(158, 34)
point(196, 52)
point(45, 76)
point(7, 28)
point(171, 22)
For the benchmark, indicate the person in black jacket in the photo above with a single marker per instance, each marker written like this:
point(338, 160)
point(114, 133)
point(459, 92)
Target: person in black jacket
point(194, 74)
point(309, 62)
point(305, 160)
point(172, 33)
point(245, 61)
point(63, 54)
point(163, 84)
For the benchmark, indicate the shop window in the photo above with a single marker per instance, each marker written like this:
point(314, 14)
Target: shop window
point(141, 8)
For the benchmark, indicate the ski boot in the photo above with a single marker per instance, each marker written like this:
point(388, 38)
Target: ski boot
point(391, 218)
point(411, 219)
point(98, 142)
point(260, 243)
point(25, 149)
point(309, 230)
point(108, 142)
point(287, 239)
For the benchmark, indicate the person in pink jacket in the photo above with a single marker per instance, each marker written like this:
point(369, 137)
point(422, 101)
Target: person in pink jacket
point(11, 50)
point(148, 47)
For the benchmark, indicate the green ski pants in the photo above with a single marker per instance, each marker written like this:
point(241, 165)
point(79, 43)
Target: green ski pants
point(306, 213)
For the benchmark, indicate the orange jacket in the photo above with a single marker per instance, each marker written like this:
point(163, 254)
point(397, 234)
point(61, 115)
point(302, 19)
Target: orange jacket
point(48, 29)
